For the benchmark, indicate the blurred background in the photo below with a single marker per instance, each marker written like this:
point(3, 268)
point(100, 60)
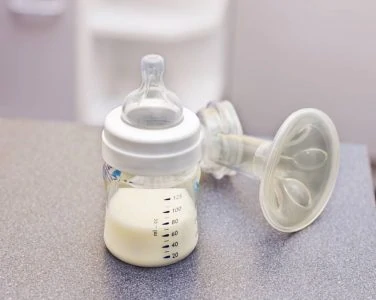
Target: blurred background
point(77, 59)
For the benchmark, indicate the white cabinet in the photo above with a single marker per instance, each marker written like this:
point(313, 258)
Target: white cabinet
point(114, 35)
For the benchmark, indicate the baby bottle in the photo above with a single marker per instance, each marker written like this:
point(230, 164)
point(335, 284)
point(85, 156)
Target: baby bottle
point(151, 147)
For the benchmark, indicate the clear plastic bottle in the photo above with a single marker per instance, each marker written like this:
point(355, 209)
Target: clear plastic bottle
point(152, 149)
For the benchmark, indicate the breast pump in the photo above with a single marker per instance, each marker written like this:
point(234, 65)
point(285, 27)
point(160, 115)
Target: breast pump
point(153, 148)
point(297, 170)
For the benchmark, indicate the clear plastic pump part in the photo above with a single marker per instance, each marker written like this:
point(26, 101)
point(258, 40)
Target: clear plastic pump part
point(298, 170)
point(152, 105)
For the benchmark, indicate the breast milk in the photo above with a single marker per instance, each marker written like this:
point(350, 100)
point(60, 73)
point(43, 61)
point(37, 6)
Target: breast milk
point(151, 227)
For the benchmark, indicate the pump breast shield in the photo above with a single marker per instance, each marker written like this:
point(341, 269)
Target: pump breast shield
point(297, 170)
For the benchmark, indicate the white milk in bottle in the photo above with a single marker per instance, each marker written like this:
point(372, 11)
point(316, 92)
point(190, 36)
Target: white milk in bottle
point(151, 227)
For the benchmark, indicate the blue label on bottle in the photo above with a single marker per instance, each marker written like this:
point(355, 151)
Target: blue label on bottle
point(196, 186)
point(116, 174)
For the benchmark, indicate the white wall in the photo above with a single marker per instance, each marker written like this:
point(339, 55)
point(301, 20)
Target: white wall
point(37, 65)
point(293, 53)
point(286, 55)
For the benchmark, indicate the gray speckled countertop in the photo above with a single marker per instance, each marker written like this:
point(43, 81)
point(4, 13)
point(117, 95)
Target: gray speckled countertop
point(52, 214)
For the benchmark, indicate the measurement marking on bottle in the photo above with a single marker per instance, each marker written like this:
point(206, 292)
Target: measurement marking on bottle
point(166, 223)
point(166, 246)
point(166, 212)
point(166, 199)
point(165, 241)
point(166, 251)
point(166, 235)
point(166, 229)
point(168, 256)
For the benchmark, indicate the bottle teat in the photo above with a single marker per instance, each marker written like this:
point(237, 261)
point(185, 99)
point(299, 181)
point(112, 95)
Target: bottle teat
point(152, 105)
